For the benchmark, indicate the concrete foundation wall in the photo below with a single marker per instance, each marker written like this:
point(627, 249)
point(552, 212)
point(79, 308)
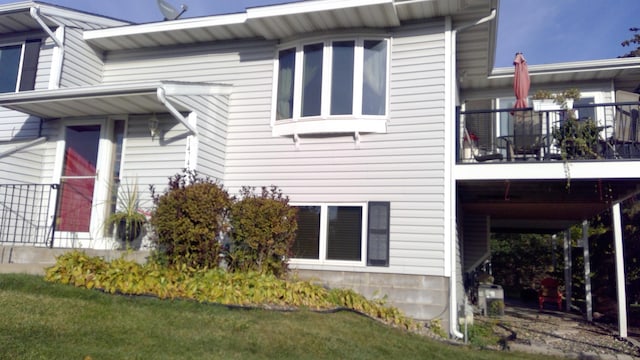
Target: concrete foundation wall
point(418, 296)
point(34, 260)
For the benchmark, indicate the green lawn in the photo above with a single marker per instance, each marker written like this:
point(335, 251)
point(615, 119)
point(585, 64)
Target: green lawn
point(39, 320)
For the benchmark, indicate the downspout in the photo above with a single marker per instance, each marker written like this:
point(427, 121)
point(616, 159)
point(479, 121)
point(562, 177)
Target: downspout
point(453, 297)
point(58, 55)
point(162, 97)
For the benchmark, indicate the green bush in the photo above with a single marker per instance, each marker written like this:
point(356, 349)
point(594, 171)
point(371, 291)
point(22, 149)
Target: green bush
point(263, 230)
point(189, 218)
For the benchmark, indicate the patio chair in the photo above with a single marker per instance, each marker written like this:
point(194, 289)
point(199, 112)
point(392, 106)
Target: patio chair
point(625, 137)
point(482, 156)
point(527, 139)
point(549, 292)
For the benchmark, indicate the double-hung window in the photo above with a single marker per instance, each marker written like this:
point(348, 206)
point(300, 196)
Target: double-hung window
point(18, 65)
point(341, 79)
point(352, 233)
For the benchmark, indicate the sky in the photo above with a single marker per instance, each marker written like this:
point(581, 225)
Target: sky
point(545, 31)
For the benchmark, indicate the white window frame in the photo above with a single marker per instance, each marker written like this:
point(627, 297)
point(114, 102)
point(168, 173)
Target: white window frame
point(20, 64)
point(322, 253)
point(325, 123)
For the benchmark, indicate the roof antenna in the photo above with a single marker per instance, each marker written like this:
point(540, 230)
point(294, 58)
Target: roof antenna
point(169, 12)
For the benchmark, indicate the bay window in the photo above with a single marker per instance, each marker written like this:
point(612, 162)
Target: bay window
point(343, 232)
point(332, 79)
point(18, 65)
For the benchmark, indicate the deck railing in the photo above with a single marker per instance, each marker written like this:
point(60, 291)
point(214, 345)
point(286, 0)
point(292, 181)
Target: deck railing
point(25, 214)
point(596, 132)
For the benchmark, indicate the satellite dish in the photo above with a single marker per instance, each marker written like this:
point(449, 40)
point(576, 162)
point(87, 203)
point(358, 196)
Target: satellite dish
point(169, 12)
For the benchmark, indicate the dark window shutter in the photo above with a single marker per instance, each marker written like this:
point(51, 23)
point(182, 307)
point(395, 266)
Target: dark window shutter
point(30, 65)
point(378, 233)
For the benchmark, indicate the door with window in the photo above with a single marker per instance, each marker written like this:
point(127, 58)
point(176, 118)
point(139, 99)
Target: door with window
point(90, 154)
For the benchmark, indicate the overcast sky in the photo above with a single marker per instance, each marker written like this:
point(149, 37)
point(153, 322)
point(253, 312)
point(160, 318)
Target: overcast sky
point(546, 31)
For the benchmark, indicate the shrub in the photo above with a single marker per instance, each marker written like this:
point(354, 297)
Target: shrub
point(263, 230)
point(189, 218)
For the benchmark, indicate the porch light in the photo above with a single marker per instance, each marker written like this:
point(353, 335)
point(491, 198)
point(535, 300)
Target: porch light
point(153, 126)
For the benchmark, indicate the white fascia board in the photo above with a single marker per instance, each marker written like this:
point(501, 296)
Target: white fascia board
point(571, 67)
point(182, 24)
point(309, 6)
point(55, 11)
point(80, 92)
point(172, 89)
point(13, 7)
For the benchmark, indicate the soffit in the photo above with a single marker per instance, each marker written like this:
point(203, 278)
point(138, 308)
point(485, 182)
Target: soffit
point(278, 22)
point(16, 18)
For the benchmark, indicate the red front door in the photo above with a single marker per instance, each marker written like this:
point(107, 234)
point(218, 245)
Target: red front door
point(78, 178)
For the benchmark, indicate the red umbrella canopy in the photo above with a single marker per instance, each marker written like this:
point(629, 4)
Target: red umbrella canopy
point(521, 82)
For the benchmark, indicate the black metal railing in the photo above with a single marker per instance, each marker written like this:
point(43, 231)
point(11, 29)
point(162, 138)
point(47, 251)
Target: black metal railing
point(597, 132)
point(25, 214)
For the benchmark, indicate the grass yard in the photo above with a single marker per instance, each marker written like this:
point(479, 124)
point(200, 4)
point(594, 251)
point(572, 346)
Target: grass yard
point(40, 320)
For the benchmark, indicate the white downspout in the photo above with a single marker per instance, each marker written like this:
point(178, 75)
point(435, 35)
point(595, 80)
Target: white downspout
point(162, 96)
point(450, 106)
point(58, 51)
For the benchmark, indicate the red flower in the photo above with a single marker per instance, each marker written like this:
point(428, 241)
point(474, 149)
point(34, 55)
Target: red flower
point(470, 137)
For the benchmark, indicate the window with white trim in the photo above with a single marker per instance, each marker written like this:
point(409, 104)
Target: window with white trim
point(332, 79)
point(343, 232)
point(18, 65)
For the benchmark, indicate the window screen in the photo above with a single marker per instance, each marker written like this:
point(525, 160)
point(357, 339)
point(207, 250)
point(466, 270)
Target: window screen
point(344, 233)
point(307, 243)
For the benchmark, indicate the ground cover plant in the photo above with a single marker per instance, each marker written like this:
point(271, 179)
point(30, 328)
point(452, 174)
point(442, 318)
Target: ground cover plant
point(43, 320)
point(249, 288)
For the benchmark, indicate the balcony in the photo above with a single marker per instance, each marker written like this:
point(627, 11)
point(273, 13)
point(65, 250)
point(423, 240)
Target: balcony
point(594, 132)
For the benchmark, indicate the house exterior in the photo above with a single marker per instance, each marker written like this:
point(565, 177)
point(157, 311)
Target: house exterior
point(355, 109)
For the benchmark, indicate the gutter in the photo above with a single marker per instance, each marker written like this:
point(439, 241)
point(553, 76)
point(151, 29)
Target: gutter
point(58, 54)
point(453, 296)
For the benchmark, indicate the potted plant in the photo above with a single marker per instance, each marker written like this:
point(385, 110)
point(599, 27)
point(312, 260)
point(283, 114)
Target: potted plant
point(127, 217)
point(543, 100)
point(567, 97)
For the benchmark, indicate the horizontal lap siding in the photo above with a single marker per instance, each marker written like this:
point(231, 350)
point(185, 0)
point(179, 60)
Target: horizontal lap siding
point(22, 167)
point(150, 162)
point(82, 66)
point(247, 66)
point(212, 132)
point(404, 166)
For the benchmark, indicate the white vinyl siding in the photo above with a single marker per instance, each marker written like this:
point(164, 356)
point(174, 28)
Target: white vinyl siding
point(152, 162)
point(404, 166)
point(82, 66)
point(21, 167)
point(246, 66)
point(212, 134)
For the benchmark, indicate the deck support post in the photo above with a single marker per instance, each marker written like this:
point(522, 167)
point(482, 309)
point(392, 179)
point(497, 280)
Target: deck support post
point(620, 282)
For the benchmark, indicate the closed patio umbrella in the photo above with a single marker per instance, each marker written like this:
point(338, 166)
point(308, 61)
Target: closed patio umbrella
point(521, 82)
